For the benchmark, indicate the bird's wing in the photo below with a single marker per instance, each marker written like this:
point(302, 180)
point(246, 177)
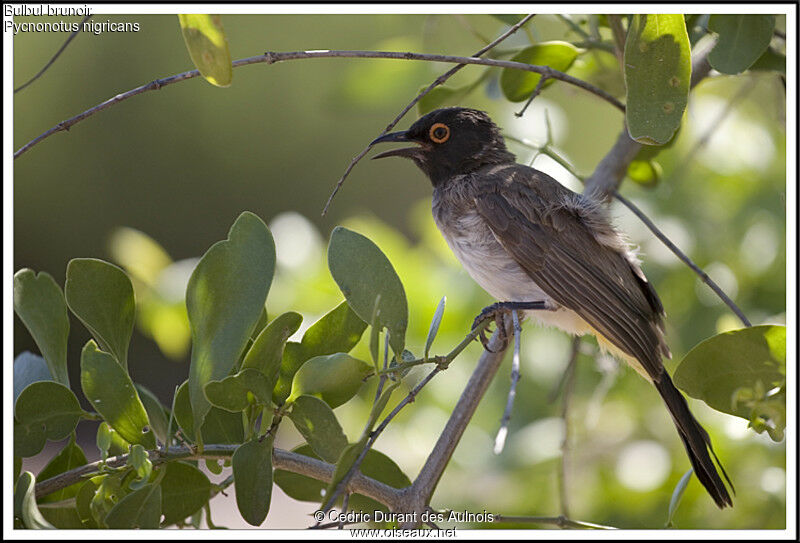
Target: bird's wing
point(557, 249)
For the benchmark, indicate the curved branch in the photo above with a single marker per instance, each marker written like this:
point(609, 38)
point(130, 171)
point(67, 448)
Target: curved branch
point(285, 460)
point(273, 57)
point(54, 57)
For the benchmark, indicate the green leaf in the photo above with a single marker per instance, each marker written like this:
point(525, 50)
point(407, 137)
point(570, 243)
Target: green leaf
point(363, 272)
point(110, 491)
point(658, 68)
point(224, 298)
point(677, 494)
point(645, 172)
point(231, 394)
point(222, 426)
point(771, 60)
point(82, 503)
point(184, 491)
point(101, 296)
point(40, 305)
point(735, 371)
point(29, 368)
point(267, 350)
point(252, 476)
point(62, 517)
point(338, 331)
point(44, 410)
point(156, 413)
point(139, 509)
point(315, 421)
point(110, 391)
point(333, 378)
point(70, 457)
point(434, 327)
point(182, 410)
point(139, 254)
point(139, 460)
point(742, 40)
point(208, 46)
point(25, 503)
point(518, 85)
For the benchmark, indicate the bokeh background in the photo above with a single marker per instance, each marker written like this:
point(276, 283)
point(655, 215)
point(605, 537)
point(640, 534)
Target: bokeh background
point(180, 164)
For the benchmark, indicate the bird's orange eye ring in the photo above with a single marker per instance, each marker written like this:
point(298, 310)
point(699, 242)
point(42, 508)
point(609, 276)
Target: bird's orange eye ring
point(439, 133)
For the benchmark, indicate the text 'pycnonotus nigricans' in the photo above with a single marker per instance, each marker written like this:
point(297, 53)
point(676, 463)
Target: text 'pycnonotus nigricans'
point(534, 244)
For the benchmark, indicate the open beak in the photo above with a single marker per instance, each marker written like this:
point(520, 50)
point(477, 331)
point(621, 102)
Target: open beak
point(408, 152)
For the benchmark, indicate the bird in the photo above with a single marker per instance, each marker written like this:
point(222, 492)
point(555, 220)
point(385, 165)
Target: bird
point(553, 254)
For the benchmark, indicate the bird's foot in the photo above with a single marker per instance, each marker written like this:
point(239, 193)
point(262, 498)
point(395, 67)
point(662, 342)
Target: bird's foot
point(497, 312)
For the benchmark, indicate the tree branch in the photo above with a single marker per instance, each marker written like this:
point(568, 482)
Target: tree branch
point(417, 497)
point(273, 57)
point(285, 460)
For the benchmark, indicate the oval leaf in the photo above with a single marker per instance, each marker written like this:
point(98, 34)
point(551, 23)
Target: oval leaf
point(742, 40)
point(658, 69)
point(336, 332)
point(315, 421)
point(139, 509)
point(363, 272)
point(184, 491)
point(267, 350)
point(252, 477)
point(40, 305)
point(334, 378)
point(29, 368)
point(230, 394)
point(677, 494)
point(208, 46)
point(645, 172)
point(720, 368)
point(224, 298)
point(110, 391)
point(44, 410)
point(518, 85)
point(101, 296)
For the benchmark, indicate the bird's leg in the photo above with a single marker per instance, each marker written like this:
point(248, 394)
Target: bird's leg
point(496, 312)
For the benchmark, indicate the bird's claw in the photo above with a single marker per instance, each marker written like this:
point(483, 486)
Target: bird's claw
point(497, 313)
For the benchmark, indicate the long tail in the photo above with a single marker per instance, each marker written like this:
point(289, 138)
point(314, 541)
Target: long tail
point(697, 443)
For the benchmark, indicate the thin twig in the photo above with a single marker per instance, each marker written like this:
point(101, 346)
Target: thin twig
point(536, 91)
point(569, 384)
point(561, 522)
point(54, 57)
point(438, 81)
point(500, 440)
point(686, 260)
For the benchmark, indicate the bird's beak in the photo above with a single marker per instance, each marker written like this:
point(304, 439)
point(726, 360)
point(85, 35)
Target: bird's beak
point(408, 152)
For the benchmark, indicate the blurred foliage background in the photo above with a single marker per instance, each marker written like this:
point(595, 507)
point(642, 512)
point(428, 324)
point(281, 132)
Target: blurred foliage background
point(178, 165)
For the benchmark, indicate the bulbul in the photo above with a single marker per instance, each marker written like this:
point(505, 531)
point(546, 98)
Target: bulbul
point(536, 246)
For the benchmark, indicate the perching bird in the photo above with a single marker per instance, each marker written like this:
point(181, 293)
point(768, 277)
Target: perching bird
point(537, 246)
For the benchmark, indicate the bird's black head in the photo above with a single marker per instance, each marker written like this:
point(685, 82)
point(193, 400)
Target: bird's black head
point(450, 141)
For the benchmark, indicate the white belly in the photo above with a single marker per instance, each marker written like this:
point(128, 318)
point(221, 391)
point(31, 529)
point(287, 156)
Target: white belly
point(489, 265)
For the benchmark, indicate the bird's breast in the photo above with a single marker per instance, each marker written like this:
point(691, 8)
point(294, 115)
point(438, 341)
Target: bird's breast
point(487, 262)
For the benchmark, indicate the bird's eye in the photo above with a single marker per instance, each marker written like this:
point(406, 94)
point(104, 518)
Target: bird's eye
point(439, 133)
